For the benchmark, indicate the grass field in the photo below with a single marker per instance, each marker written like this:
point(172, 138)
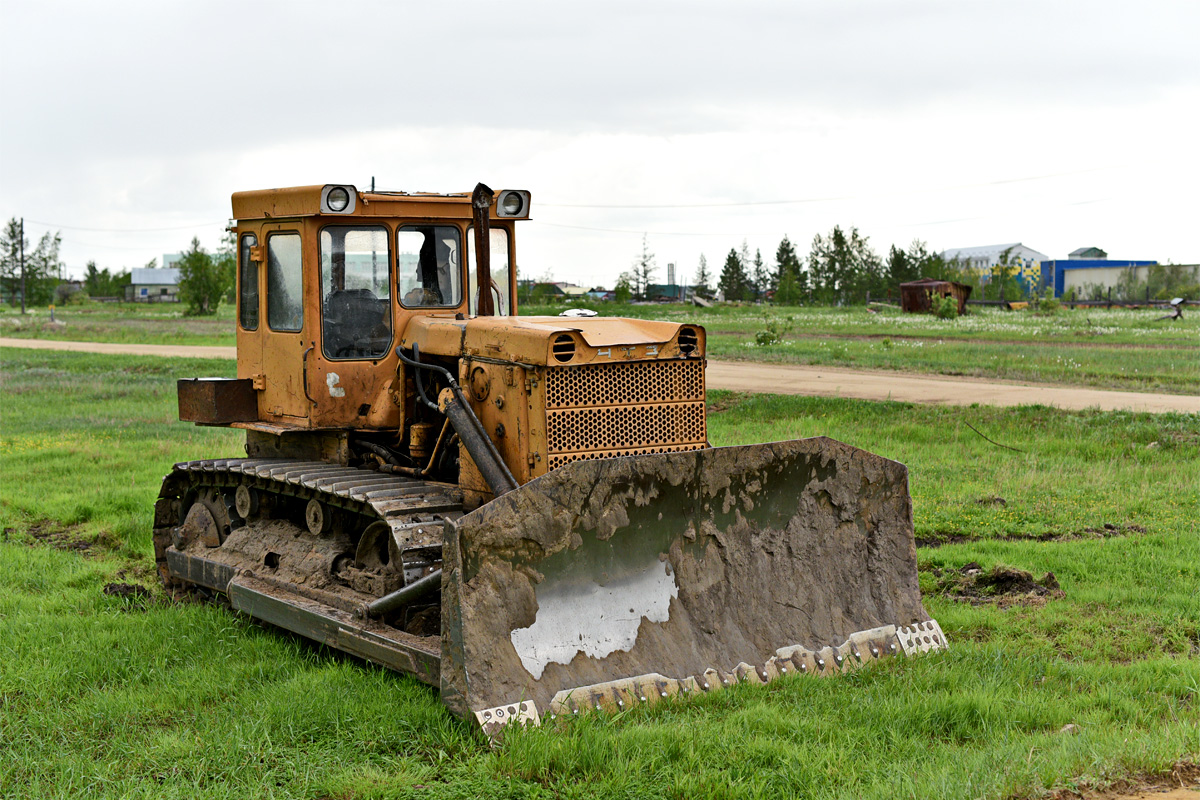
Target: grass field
point(131, 696)
point(1117, 349)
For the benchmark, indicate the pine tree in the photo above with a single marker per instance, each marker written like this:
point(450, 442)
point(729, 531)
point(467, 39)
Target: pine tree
point(762, 280)
point(788, 273)
point(843, 267)
point(734, 283)
point(703, 278)
point(643, 270)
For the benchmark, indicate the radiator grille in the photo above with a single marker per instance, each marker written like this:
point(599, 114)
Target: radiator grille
point(624, 383)
point(557, 461)
point(624, 426)
point(628, 408)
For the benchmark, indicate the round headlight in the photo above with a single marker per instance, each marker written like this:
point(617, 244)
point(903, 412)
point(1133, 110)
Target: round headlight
point(338, 199)
point(512, 204)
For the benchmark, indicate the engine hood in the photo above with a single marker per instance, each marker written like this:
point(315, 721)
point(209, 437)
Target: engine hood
point(530, 340)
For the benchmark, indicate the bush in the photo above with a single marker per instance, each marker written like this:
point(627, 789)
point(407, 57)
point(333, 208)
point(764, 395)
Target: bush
point(947, 307)
point(774, 332)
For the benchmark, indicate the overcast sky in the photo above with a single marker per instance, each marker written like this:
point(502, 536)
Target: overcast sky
point(959, 123)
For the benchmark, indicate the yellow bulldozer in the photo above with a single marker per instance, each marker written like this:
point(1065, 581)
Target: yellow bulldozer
point(524, 512)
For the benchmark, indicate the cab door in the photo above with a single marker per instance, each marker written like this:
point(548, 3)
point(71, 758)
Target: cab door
point(251, 257)
point(289, 336)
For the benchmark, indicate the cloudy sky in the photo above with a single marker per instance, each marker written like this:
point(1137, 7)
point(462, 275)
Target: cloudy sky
point(699, 124)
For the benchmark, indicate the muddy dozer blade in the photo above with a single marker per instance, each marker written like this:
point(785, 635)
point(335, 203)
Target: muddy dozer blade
point(615, 582)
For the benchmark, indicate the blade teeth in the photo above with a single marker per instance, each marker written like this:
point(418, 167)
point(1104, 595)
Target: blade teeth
point(921, 637)
point(494, 720)
point(860, 648)
point(747, 674)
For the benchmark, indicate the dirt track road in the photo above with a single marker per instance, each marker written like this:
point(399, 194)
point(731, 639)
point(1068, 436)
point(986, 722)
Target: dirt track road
point(789, 379)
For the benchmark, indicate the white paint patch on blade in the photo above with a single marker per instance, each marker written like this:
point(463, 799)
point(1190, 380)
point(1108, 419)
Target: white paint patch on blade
point(597, 620)
point(331, 380)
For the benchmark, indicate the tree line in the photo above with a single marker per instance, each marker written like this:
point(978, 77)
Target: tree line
point(841, 268)
point(42, 268)
point(205, 279)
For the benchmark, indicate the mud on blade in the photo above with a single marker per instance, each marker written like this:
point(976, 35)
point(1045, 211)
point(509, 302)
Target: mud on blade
point(612, 582)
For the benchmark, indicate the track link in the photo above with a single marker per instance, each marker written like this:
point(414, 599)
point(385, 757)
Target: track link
point(413, 509)
point(313, 603)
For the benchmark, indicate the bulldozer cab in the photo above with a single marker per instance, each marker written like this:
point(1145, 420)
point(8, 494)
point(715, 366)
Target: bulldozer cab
point(328, 279)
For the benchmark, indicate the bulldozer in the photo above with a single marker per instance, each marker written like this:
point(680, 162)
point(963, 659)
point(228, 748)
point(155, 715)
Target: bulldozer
point(523, 512)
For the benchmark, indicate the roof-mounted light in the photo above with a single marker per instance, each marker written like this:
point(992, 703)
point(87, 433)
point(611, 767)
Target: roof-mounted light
point(512, 203)
point(338, 199)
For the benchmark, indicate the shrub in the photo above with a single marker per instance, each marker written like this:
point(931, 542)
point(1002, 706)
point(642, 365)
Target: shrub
point(774, 332)
point(947, 307)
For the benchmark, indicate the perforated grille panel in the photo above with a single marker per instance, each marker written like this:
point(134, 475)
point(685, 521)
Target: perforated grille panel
point(605, 410)
point(566, 458)
point(625, 426)
point(624, 383)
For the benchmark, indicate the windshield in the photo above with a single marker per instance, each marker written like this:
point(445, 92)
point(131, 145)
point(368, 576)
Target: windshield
point(429, 265)
point(355, 292)
point(498, 250)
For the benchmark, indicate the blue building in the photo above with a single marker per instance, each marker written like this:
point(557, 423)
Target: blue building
point(1085, 268)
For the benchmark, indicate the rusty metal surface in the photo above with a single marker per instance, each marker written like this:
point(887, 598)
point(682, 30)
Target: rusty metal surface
point(673, 564)
point(916, 296)
point(216, 401)
point(413, 510)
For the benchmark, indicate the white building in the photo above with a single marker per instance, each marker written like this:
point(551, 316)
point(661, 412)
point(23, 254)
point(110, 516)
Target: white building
point(147, 285)
point(985, 257)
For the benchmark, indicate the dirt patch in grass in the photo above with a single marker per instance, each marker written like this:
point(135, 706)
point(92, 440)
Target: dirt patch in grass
point(732, 400)
point(1001, 585)
point(70, 538)
point(1182, 782)
point(1107, 531)
point(135, 596)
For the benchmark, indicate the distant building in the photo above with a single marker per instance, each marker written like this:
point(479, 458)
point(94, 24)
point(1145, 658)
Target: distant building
point(983, 259)
point(559, 289)
point(666, 292)
point(917, 296)
point(1086, 268)
point(148, 285)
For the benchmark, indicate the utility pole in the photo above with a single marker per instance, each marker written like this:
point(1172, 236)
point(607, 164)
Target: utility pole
point(22, 265)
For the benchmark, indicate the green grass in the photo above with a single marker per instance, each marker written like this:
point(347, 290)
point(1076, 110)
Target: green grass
point(122, 323)
point(1118, 349)
point(103, 696)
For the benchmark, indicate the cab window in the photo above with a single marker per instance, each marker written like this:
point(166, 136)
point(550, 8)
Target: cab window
point(285, 283)
point(247, 284)
point(355, 292)
point(499, 262)
point(429, 266)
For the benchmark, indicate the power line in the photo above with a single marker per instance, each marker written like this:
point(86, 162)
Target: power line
point(705, 205)
point(640, 231)
point(130, 230)
point(798, 201)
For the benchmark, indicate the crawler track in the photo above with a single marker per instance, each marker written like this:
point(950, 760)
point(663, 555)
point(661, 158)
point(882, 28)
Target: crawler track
point(279, 568)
